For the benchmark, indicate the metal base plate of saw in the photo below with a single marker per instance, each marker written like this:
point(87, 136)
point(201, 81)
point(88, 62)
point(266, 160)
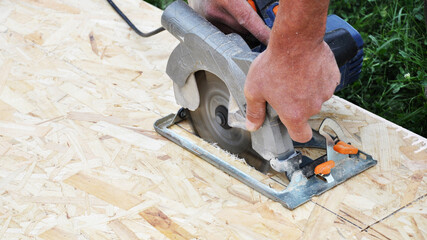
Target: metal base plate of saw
point(208, 69)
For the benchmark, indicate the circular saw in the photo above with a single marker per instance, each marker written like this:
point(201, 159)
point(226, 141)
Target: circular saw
point(209, 68)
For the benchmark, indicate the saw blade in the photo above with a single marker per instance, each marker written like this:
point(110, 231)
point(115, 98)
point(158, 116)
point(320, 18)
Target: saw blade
point(210, 119)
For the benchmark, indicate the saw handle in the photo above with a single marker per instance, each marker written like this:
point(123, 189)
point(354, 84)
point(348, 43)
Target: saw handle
point(342, 45)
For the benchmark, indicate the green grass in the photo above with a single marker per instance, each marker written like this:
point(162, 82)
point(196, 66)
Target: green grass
point(394, 78)
point(159, 3)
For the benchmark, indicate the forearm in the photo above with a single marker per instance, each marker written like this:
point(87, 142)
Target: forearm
point(299, 22)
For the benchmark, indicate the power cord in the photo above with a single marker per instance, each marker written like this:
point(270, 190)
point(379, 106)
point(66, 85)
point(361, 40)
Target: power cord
point(131, 25)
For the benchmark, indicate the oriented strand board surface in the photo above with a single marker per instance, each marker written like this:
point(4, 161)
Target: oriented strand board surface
point(79, 93)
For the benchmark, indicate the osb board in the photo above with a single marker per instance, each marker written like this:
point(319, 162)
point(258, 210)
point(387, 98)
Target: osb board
point(79, 93)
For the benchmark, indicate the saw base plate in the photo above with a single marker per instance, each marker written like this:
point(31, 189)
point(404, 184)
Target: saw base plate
point(298, 191)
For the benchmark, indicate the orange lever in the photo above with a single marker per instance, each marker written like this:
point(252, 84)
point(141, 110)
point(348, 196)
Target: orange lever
point(324, 168)
point(275, 9)
point(344, 148)
point(252, 3)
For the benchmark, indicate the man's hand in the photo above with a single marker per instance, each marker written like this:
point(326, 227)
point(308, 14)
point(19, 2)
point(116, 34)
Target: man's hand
point(232, 16)
point(294, 84)
point(297, 72)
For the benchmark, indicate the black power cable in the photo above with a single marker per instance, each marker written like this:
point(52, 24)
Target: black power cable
point(131, 25)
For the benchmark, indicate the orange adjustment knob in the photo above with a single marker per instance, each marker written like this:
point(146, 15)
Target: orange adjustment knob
point(275, 9)
point(252, 3)
point(344, 148)
point(324, 168)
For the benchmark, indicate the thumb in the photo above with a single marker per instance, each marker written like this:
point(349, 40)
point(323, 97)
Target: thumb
point(255, 113)
point(299, 131)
